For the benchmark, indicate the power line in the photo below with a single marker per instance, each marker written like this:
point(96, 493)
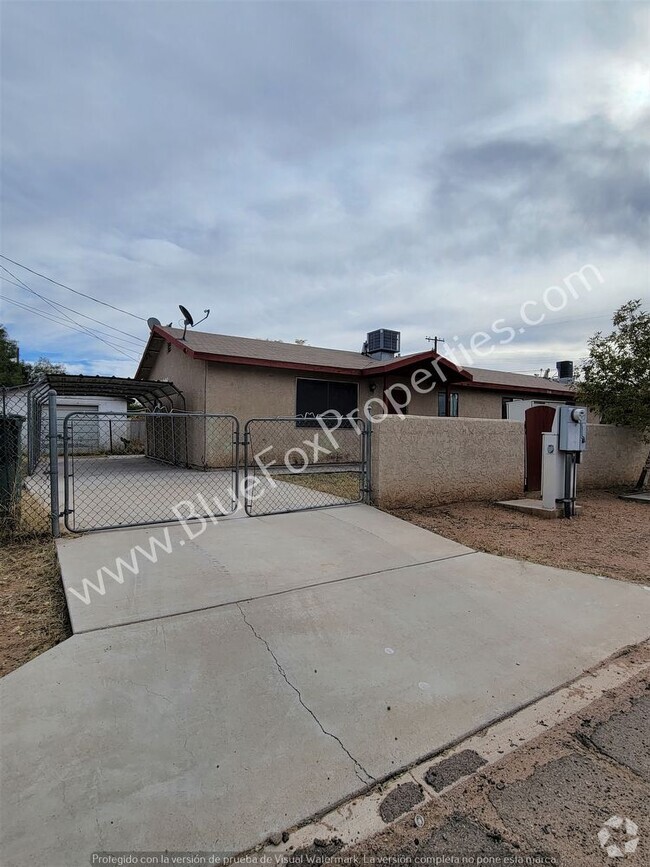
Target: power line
point(51, 304)
point(58, 321)
point(70, 289)
point(77, 312)
point(53, 318)
point(74, 321)
point(572, 319)
point(126, 339)
point(529, 329)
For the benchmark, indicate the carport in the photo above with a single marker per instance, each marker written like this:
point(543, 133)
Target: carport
point(151, 394)
point(48, 479)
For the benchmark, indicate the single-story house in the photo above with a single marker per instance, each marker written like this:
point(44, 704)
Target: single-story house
point(251, 378)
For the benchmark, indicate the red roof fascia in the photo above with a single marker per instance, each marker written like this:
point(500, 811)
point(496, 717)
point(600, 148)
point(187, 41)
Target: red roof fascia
point(267, 362)
point(409, 360)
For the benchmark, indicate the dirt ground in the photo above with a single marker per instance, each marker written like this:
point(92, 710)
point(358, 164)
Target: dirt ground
point(610, 537)
point(340, 484)
point(34, 616)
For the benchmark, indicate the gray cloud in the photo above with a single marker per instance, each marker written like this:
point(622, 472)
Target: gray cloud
point(537, 195)
point(316, 170)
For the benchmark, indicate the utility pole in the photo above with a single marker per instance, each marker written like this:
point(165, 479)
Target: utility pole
point(435, 340)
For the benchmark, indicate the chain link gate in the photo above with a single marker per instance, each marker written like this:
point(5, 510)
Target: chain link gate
point(135, 469)
point(295, 464)
point(132, 469)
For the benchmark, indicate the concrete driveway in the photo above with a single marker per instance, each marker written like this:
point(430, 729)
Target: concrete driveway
point(272, 667)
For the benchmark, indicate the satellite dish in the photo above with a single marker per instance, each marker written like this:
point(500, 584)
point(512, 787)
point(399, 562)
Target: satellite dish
point(188, 320)
point(152, 322)
point(187, 316)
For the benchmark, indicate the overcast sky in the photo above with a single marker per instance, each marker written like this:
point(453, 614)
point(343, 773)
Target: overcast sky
point(316, 170)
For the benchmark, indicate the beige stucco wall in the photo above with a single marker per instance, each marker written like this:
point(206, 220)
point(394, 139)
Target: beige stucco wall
point(186, 373)
point(258, 392)
point(483, 403)
point(614, 457)
point(253, 392)
point(198, 442)
point(420, 461)
point(476, 403)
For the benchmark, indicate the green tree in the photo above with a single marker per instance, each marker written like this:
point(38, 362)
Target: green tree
point(43, 366)
point(12, 370)
point(616, 376)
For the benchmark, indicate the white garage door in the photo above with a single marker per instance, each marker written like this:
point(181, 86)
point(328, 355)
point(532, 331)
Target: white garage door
point(85, 431)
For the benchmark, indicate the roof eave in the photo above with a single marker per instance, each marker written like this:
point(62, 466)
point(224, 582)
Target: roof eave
point(524, 389)
point(272, 362)
point(461, 375)
point(158, 333)
point(434, 358)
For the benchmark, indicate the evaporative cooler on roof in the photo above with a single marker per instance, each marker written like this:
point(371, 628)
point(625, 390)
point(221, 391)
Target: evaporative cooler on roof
point(383, 340)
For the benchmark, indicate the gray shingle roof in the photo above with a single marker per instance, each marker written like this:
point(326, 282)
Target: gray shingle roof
point(272, 350)
point(503, 379)
point(276, 351)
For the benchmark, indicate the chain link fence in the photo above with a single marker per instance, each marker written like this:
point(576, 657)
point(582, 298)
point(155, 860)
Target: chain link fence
point(130, 469)
point(295, 464)
point(110, 470)
point(25, 470)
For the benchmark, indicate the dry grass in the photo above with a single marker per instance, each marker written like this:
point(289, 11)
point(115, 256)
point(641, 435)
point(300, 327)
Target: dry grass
point(34, 613)
point(34, 514)
point(611, 537)
point(28, 516)
point(339, 484)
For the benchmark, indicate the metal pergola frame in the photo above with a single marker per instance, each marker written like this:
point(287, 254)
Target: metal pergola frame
point(154, 395)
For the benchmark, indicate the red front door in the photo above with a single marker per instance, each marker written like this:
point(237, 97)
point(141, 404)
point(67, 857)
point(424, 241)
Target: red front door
point(539, 420)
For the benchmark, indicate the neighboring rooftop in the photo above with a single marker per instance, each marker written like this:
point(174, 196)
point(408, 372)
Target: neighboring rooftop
point(504, 379)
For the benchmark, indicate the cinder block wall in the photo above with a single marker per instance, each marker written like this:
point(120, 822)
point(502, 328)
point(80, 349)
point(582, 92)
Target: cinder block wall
point(419, 460)
point(614, 456)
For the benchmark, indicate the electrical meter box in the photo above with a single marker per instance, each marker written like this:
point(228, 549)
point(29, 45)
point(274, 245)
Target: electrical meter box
point(572, 429)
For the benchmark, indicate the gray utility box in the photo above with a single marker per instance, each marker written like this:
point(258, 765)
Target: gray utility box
point(572, 429)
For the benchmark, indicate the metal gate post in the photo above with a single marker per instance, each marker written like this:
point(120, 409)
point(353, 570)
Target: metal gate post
point(246, 445)
point(54, 463)
point(367, 462)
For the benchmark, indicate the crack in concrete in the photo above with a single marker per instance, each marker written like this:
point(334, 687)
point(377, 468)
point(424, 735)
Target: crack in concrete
point(357, 765)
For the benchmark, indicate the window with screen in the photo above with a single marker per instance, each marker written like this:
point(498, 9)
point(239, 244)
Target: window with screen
point(453, 403)
point(316, 396)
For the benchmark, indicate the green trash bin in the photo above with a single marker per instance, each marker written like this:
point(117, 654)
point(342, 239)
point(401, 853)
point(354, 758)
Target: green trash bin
point(10, 476)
